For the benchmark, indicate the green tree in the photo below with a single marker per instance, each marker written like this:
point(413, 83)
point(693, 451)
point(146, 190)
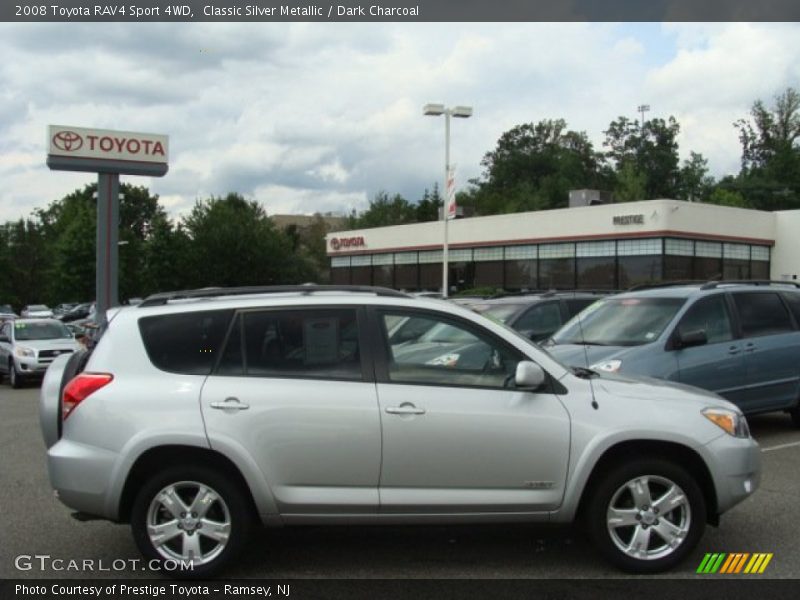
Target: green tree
point(533, 167)
point(770, 139)
point(694, 182)
point(232, 242)
point(384, 210)
point(427, 209)
point(650, 150)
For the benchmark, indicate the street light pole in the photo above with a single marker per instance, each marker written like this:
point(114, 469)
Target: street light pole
point(462, 112)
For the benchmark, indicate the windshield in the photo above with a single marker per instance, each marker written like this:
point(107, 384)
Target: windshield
point(620, 322)
point(500, 312)
point(40, 331)
point(5, 308)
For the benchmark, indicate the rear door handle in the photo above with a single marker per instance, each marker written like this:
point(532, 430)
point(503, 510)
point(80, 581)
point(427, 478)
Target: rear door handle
point(406, 408)
point(734, 350)
point(750, 348)
point(230, 404)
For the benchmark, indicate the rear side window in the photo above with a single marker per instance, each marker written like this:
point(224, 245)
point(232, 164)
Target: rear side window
point(541, 320)
point(319, 343)
point(186, 343)
point(762, 314)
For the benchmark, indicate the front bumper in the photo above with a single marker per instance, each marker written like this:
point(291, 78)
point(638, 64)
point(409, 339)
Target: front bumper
point(735, 466)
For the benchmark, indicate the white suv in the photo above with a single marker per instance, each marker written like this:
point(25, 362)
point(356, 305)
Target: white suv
point(201, 412)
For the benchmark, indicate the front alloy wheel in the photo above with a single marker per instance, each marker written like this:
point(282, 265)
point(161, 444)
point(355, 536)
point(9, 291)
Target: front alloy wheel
point(647, 515)
point(14, 380)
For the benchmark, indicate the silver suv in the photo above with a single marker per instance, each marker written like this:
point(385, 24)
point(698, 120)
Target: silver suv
point(201, 413)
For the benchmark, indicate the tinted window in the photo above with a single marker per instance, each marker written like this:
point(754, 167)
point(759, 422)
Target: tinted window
point(762, 314)
point(186, 343)
point(448, 353)
point(576, 305)
point(299, 343)
point(498, 311)
point(793, 300)
point(541, 320)
point(709, 315)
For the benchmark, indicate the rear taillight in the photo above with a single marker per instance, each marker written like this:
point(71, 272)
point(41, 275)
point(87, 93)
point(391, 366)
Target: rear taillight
point(81, 387)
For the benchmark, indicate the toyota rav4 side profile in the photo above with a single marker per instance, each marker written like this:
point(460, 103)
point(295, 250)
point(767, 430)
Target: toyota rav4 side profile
point(200, 413)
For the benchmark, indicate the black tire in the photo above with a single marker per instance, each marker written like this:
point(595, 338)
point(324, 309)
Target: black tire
point(795, 414)
point(14, 378)
point(688, 517)
point(234, 500)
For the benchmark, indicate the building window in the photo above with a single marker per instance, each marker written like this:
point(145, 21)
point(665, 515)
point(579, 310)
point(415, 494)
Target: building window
point(487, 254)
point(361, 276)
point(557, 251)
point(678, 268)
point(679, 248)
point(597, 273)
point(557, 273)
point(340, 276)
point(459, 255)
point(636, 270)
point(383, 275)
point(430, 275)
point(461, 275)
point(640, 247)
point(521, 252)
point(520, 274)
point(430, 256)
point(406, 276)
point(584, 249)
point(489, 274)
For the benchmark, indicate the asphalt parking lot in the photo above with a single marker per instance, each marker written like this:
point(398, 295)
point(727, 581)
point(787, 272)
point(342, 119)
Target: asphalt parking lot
point(35, 523)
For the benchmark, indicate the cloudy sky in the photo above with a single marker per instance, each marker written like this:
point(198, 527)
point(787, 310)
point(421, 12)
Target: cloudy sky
point(319, 117)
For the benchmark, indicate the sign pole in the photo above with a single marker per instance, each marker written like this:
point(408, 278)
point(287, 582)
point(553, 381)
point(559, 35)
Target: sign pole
point(107, 252)
point(445, 201)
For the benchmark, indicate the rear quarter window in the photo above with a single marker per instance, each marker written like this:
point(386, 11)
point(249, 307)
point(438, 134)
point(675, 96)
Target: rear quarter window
point(762, 313)
point(185, 343)
point(793, 300)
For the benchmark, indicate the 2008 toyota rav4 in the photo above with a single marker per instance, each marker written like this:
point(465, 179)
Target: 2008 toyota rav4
point(199, 413)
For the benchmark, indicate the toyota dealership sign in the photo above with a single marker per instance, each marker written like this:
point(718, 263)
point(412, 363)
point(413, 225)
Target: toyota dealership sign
point(79, 149)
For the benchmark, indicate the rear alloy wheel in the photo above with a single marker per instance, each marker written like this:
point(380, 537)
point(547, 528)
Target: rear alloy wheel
point(795, 414)
point(190, 515)
point(646, 516)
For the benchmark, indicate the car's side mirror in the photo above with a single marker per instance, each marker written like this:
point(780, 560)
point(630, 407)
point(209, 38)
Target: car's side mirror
point(687, 339)
point(529, 375)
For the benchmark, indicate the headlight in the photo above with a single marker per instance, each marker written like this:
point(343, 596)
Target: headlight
point(611, 366)
point(731, 421)
point(24, 352)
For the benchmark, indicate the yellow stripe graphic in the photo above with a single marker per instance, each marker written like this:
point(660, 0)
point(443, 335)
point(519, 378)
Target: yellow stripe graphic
point(765, 563)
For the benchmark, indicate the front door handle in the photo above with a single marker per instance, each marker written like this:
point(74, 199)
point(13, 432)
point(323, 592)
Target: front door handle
point(230, 404)
point(406, 408)
point(734, 350)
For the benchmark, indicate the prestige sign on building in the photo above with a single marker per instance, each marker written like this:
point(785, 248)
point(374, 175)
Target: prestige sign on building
point(127, 152)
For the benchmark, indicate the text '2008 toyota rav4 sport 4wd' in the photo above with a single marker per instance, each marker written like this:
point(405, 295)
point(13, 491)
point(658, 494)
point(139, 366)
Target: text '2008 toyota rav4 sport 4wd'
point(200, 413)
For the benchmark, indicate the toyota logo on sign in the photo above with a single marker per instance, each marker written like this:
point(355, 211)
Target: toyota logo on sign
point(68, 141)
point(335, 243)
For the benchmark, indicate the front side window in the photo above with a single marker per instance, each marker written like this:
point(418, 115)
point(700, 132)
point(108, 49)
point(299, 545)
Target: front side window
point(620, 322)
point(318, 343)
point(762, 314)
point(446, 352)
point(711, 316)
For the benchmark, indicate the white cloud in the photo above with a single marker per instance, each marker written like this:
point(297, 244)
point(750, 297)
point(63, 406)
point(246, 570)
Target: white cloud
point(314, 117)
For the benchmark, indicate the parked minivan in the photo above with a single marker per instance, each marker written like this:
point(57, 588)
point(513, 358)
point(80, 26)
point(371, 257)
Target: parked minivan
point(738, 339)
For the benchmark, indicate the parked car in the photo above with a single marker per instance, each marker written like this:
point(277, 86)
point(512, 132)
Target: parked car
point(64, 308)
point(28, 346)
point(79, 311)
point(199, 412)
point(7, 313)
point(36, 311)
point(537, 316)
point(738, 339)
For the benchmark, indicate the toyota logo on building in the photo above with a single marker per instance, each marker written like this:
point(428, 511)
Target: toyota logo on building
point(68, 141)
point(351, 242)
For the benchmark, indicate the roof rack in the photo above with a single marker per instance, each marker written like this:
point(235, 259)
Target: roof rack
point(714, 284)
point(550, 293)
point(214, 292)
point(663, 284)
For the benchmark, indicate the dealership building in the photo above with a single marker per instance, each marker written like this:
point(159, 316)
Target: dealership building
point(605, 246)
